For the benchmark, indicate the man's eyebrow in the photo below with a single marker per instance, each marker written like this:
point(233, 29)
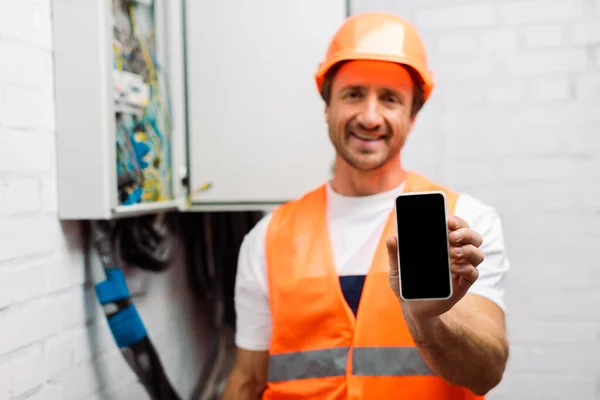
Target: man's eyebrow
point(354, 86)
point(385, 90)
point(395, 92)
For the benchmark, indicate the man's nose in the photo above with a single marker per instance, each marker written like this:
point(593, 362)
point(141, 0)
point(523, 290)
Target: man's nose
point(370, 115)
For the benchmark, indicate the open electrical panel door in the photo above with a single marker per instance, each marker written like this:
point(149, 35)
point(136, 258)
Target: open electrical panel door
point(188, 105)
point(257, 132)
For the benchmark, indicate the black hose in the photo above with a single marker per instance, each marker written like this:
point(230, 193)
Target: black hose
point(124, 321)
point(213, 241)
point(144, 359)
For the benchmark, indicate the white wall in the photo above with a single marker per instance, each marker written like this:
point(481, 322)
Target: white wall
point(515, 121)
point(54, 341)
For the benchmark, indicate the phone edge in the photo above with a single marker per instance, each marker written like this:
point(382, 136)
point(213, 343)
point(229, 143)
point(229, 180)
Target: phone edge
point(447, 241)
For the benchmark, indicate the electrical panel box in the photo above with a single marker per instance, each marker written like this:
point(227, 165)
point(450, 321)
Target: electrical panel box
point(120, 126)
point(188, 105)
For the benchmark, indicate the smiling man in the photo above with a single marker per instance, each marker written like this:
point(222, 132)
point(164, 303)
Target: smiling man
point(318, 310)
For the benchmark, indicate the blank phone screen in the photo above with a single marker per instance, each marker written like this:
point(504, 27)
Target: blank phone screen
point(423, 246)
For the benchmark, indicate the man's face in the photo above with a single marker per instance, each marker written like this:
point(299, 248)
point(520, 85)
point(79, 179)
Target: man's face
point(369, 115)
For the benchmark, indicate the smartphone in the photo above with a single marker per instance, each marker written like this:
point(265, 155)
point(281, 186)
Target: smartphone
point(423, 246)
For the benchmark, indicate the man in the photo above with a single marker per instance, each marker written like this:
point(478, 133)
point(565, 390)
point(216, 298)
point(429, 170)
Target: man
point(319, 314)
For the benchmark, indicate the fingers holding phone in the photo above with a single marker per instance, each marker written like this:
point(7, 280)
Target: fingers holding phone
point(434, 259)
point(465, 252)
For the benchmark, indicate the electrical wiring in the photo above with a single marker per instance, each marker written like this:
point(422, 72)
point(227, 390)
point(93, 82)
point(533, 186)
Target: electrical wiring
point(212, 243)
point(143, 108)
point(124, 321)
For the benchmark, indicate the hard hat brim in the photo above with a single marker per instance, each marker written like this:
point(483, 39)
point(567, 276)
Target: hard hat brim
point(425, 74)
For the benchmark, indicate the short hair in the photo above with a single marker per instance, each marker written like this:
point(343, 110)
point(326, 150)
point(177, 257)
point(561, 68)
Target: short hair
point(418, 94)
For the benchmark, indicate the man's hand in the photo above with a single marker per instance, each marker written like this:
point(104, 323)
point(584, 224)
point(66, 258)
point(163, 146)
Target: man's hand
point(462, 339)
point(465, 256)
point(248, 378)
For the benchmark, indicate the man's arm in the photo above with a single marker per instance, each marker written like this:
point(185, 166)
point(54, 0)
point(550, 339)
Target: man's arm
point(467, 345)
point(463, 338)
point(248, 379)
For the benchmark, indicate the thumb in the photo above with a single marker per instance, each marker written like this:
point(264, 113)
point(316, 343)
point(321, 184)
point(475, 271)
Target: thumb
point(392, 248)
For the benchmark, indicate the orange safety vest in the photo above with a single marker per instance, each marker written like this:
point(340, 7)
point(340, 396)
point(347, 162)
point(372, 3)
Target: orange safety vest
point(319, 350)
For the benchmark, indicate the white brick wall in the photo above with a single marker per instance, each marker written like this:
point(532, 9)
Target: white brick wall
point(543, 36)
point(54, 341)
point(516, 112)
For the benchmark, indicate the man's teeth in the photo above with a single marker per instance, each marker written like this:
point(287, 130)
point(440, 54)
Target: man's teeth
point(364, 137)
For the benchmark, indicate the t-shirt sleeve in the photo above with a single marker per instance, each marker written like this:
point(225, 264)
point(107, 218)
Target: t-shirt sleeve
point(251, 299)
point(486, 221)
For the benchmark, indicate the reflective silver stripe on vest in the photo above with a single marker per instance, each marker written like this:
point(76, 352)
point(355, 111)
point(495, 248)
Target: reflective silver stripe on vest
point(389, 361)
point(308, 364)
point(366, 361)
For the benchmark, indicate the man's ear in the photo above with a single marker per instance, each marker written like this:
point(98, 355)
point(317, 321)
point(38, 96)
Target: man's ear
point(411, 124)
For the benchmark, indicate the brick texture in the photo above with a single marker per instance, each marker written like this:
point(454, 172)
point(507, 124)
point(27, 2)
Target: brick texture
point(54, 340)
point(516, 111)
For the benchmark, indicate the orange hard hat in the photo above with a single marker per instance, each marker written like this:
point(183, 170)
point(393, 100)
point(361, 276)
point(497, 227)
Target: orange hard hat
point(378, 36)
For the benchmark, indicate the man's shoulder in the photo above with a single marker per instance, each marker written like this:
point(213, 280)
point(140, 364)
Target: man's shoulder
point(416, 181)
point(307, 196)
point(476, 207)
point(296, 210)
point(256, 236)
point(480, 215)
point(465, 202)
point(468, 201)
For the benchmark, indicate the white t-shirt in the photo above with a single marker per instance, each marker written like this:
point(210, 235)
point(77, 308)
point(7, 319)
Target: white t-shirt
point(355, 226)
